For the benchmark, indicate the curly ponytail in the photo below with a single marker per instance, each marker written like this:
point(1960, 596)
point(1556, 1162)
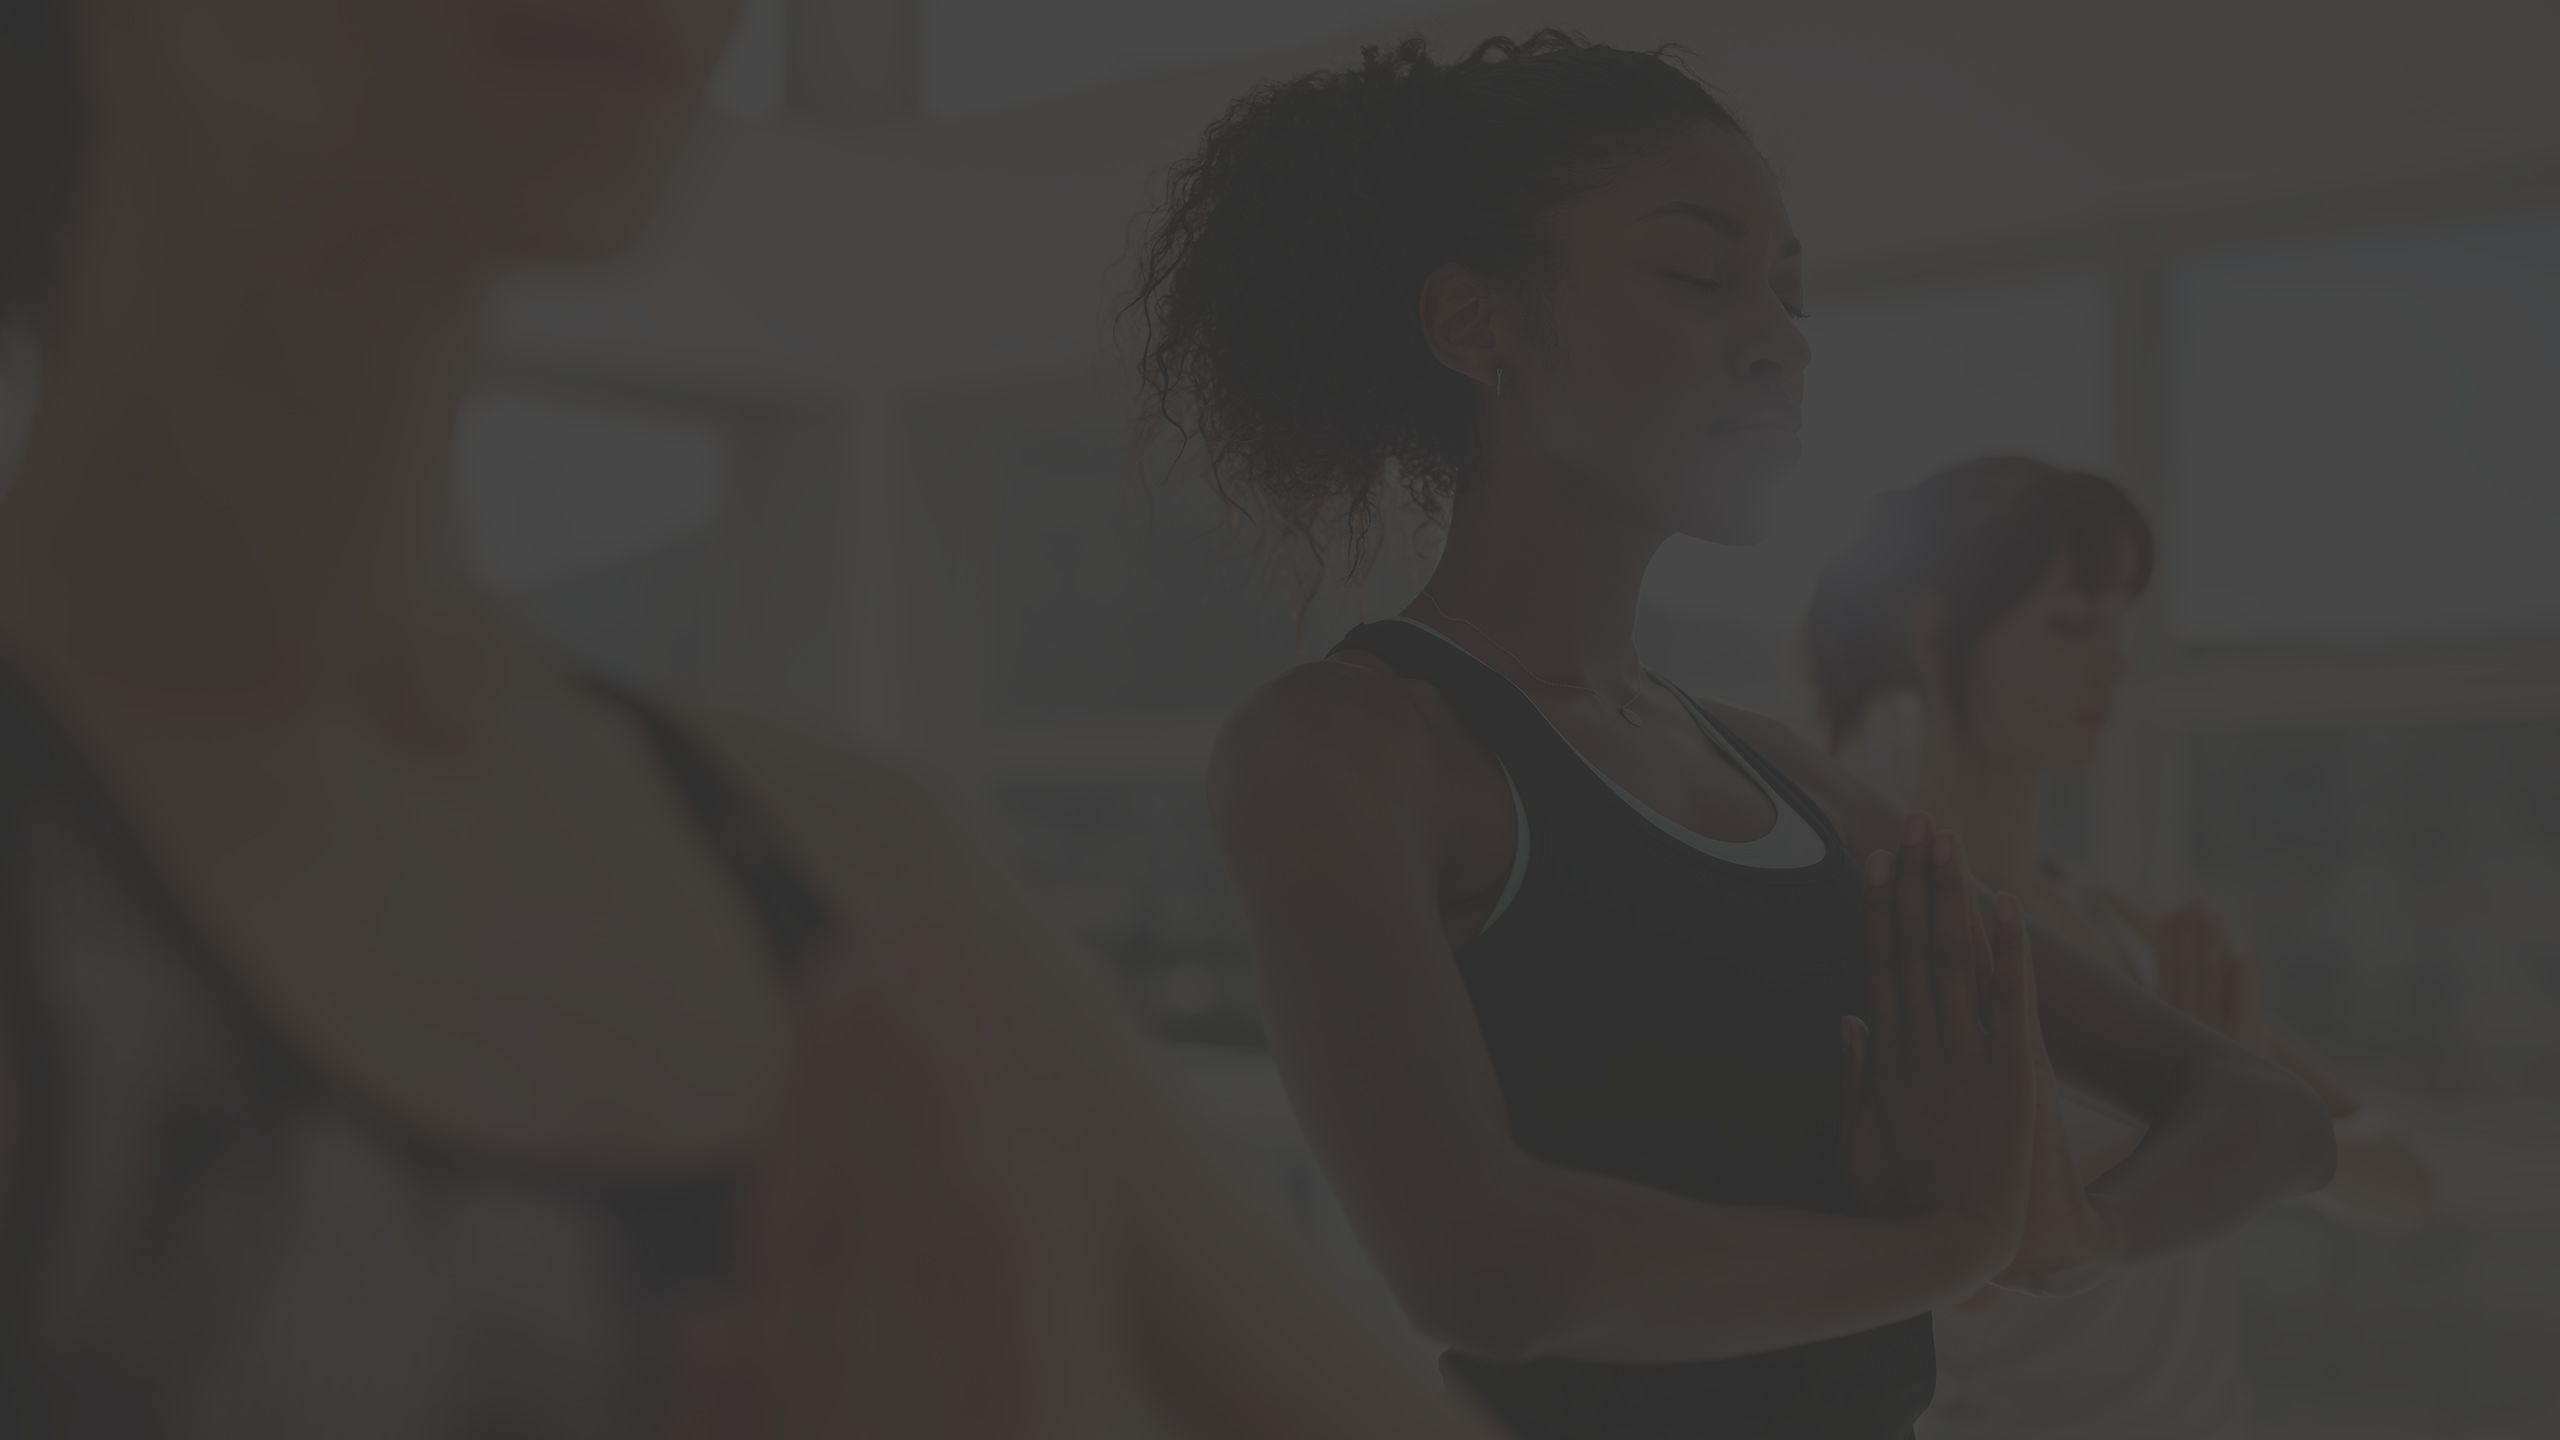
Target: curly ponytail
point(1978, 535)
point(1280, 287)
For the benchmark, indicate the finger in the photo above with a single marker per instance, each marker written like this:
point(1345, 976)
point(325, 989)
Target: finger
point(1880, 936)
point(2222, 981)
point(1911, 938)
point(1853, 1072)
point(2217, 934)
point(1957, 969)
point(2249, 980)
point(2177, 962)
point(2009, 1008)
point(1884, 982)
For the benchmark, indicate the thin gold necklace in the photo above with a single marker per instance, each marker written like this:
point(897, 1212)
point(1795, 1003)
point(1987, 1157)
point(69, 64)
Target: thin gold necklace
point(1625, 709)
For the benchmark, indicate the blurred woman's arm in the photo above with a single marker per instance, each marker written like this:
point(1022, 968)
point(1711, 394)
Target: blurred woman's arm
point(2382, 1180)
point(2229, 1132)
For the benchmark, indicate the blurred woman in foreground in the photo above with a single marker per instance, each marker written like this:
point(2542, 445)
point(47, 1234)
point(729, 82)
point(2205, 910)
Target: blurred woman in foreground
point(404, 1035)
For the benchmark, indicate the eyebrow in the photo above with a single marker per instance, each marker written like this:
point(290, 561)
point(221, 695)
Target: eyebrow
point(1723, 220)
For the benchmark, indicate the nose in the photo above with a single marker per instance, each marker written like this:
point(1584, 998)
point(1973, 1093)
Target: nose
point(1778, 347)
point(2112, 660)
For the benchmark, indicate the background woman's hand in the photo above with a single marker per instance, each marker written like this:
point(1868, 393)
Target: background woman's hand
point(2208, 975)
point(1945, 1055)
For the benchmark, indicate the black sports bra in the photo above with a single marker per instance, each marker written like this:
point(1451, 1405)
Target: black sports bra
point(203, 1236)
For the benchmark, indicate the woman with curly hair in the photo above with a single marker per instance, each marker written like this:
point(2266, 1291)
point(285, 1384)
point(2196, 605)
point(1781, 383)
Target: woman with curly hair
point(1670, 1077)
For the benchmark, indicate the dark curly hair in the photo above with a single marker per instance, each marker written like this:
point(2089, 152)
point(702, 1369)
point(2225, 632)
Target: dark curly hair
point(1279, 290)
point(1979, 534)
point(39, 126)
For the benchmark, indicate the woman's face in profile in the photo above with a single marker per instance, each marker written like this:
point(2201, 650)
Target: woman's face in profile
point(1671, 370)
point(2041, 680)
point(534, 131)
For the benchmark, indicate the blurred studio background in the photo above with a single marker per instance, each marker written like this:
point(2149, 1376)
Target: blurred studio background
point(854, 438)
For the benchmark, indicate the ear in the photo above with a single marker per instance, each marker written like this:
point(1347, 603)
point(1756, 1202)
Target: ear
point(1462, 315)
point(1925, 644)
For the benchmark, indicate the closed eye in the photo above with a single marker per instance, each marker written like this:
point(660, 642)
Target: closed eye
point(1701, 283)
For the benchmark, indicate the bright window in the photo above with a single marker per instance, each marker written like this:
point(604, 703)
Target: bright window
point(2363, 436)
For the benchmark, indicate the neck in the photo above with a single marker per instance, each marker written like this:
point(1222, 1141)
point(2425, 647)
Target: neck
point(1998, 810)
point(1552, 578)
point(239, 472)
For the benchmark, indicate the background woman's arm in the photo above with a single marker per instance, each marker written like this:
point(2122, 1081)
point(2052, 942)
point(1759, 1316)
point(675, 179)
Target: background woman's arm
point(2229, 1133)
point(2381, 1179)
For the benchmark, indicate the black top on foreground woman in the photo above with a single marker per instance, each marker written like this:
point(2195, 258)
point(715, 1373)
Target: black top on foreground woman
point(1640, 1107)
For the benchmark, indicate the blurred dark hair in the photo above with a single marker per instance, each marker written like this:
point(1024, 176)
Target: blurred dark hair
point(1979, 535)
point(39, 125)
point(1280, 288)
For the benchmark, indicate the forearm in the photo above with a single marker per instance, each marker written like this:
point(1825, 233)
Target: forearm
point(2382, 1180)
point(2240, 1135)
point(1625, 1274)
point(2228, 1133)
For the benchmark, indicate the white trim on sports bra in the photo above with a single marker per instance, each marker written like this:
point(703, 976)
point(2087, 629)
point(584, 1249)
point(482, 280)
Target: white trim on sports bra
point(1791, 842)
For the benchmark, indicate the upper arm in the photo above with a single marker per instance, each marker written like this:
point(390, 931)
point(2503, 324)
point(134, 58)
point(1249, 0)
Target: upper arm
point(1323, 791)
point(2283, 1049)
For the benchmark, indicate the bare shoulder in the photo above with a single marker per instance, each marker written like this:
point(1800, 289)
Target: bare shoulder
point(1348, 717)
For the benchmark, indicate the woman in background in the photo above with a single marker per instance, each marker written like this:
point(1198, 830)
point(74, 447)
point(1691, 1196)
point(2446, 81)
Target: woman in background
point(1560, 964)
point(395, 1024)
point(1994, 598)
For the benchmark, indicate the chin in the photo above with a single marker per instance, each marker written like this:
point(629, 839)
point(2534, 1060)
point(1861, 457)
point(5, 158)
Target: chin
point(1732, 506)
